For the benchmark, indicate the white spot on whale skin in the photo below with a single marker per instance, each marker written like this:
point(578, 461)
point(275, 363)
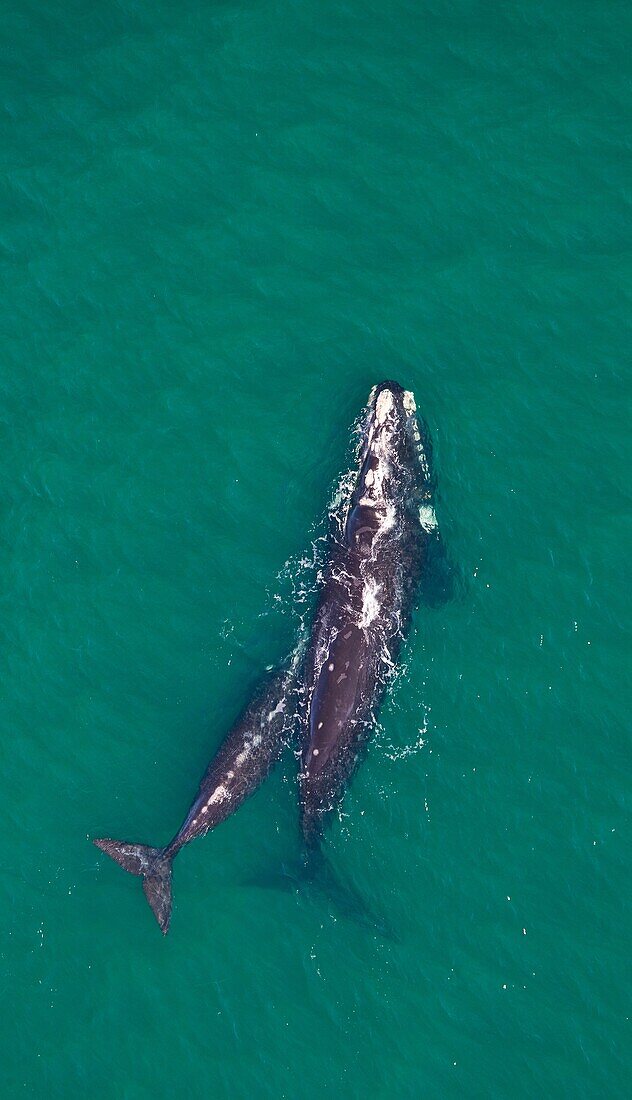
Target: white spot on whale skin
point(330, 666)
point(427, 517)
point(368, 478)
point(315, 752)
point(243, 755)
point(320, 725)
point(218, 795)
point(408, 401)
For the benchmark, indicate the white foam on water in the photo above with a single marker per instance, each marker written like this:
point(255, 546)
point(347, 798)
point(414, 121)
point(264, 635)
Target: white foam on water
point(370, 603)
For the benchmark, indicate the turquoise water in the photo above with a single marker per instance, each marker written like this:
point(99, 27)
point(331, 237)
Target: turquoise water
point(221, 224)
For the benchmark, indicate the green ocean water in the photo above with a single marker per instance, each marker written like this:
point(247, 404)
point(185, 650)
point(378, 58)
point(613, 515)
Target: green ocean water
point(221, 224)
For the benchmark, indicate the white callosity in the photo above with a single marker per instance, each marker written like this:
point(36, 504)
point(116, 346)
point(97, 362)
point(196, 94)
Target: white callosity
point(410, 406)
point(378, 448)
point(375, 481)
point(378, 426)
point(383, 406)
point(375, 495)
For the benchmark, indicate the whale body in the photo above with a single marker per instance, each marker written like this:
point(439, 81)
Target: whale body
point(378, 545)
point(249, 751)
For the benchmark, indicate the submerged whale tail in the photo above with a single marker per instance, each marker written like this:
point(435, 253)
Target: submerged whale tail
point(154, 866)
point(313, 873)
point(317, 873)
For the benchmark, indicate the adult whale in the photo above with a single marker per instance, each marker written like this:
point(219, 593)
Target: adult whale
point(380, 539)
point(242, 762)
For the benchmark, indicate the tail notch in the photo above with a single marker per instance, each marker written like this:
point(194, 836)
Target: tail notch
point(155, 868)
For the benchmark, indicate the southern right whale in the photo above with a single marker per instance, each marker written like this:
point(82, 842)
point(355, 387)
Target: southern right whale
point(242, 762)
point(380, 541)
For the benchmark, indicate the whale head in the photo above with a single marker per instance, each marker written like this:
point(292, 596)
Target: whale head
point(394, 463)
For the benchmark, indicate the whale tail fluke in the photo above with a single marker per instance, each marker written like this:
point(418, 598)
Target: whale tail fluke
point(155, 868)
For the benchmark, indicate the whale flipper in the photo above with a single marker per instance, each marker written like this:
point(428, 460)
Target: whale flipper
point(440, 581)
point(154, 866)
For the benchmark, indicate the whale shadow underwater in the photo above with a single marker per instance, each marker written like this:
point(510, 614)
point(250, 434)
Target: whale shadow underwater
point(382, 548)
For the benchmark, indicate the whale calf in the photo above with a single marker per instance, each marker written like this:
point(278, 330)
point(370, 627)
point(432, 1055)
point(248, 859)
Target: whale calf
point(242, 762)
point(378, 545)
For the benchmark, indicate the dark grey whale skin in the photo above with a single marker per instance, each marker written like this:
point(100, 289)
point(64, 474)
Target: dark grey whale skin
point(243, 761)
point(378, 546)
